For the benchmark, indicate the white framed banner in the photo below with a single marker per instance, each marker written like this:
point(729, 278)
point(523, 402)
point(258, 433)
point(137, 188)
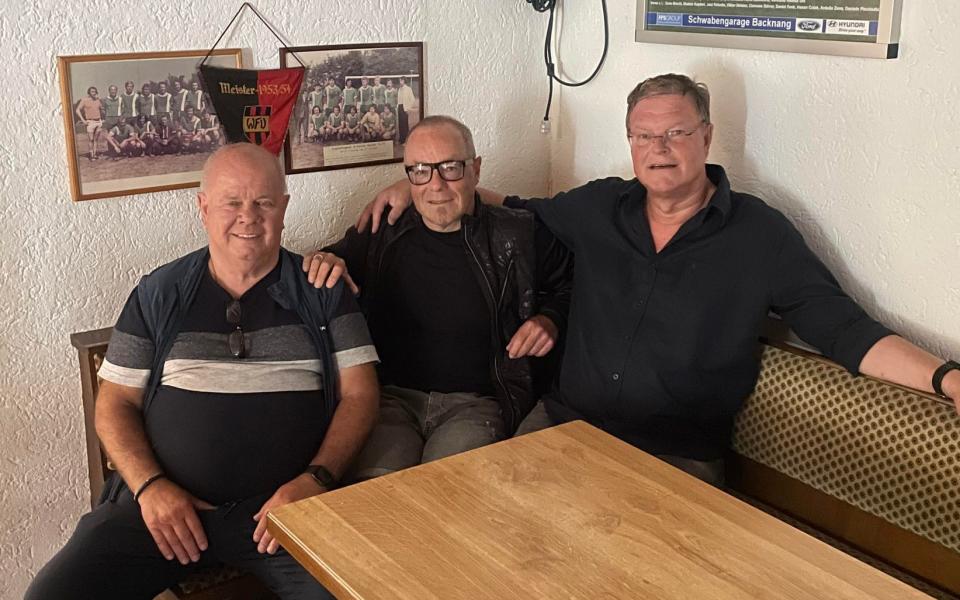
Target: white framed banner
point(863, 28)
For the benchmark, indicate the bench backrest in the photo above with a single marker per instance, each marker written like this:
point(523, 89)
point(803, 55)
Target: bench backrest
point(868, 462)
point(91, 348)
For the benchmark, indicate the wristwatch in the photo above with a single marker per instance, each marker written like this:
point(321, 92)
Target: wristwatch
point(322, 476)
point(940, 373)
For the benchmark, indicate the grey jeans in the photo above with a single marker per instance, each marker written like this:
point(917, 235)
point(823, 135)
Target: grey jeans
point(417, 427)
point(710, 471)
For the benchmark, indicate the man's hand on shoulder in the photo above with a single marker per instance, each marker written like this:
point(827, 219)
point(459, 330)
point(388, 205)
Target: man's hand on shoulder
point(170, 513)
point(397, 196)
point(326, 269)
point(298, 488)
point(536, 337)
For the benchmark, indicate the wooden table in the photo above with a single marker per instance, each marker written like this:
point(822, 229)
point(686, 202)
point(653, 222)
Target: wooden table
point(568, 512)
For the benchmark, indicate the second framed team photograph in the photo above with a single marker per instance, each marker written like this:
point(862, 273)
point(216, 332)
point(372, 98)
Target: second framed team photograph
point(356, 107)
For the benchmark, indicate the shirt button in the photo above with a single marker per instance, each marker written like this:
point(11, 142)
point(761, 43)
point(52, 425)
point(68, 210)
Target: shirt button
point(616, 376)
point(638, 304)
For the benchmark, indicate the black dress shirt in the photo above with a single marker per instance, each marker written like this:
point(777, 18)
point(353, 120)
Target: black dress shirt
point(662, 348)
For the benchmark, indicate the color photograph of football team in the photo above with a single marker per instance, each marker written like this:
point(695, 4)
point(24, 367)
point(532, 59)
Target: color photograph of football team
point(354, 96)
point(141, 119)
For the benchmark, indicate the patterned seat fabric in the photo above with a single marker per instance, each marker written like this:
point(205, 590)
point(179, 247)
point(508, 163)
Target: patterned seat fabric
point(890, 452)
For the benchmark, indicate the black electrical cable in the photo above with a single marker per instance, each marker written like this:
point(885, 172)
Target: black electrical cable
point(542, 5)
point(550, 5)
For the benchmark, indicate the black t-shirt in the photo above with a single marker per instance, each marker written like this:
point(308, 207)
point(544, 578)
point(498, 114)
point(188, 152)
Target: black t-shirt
point(434, 332)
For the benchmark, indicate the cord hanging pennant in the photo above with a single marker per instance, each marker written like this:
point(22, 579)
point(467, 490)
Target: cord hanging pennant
point(253, 105)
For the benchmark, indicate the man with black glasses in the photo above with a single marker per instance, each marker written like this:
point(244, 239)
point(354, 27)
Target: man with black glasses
point(231, 386)
point(462, 299)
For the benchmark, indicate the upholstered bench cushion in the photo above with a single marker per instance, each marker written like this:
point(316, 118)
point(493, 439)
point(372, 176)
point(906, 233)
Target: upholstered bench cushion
point(890, 452)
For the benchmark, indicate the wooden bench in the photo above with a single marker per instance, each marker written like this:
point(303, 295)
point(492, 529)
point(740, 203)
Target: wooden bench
point(213, 584)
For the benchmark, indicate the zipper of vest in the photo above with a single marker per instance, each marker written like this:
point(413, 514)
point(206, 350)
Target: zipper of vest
point(506, 278)
point(496, 322)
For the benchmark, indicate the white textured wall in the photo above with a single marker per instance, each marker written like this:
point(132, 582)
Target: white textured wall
point(862, 154)
point(68, 266)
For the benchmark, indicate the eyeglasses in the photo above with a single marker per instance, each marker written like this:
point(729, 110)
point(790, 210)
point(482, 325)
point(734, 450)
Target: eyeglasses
point(449, 170)
point(673, 136)
point(235, 340)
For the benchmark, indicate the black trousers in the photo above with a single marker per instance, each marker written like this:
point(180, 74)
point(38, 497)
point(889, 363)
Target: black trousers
point(112, 555)
point(403, 124)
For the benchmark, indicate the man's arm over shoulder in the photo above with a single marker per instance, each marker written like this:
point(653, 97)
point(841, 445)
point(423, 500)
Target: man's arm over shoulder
point(569, 214)
point(324, 266)
point(557, 216)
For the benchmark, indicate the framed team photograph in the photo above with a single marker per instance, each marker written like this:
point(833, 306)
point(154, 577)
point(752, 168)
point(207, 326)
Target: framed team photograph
point(139, 122)
point(357, 105)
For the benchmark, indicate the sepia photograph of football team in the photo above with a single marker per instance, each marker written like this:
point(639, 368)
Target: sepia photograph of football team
point(140, 118)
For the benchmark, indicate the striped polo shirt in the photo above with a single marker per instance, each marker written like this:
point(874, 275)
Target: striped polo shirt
point(227, 428)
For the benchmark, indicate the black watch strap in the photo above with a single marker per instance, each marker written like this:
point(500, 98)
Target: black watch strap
point(323, 476)
point(940, 373)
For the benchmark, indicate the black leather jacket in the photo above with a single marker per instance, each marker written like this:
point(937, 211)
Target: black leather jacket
point(523, 271)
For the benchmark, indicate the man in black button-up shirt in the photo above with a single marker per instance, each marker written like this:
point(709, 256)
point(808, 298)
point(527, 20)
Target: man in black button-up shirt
point(675, 273)
point(665, 348)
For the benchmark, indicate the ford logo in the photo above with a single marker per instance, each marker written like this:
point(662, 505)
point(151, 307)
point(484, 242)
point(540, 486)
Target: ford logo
point(808, 25)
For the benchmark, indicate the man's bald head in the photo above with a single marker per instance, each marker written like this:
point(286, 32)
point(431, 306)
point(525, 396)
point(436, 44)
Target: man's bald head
point(246, 156)
point(446, 123)
point(242, 203)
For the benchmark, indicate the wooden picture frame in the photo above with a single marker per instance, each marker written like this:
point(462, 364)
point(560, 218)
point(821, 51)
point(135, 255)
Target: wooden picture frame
point(106, 162)
point(315, 143)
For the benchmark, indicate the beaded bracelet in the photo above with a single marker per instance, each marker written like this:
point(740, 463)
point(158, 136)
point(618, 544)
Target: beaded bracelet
point(146, 484)
point(940, 373)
